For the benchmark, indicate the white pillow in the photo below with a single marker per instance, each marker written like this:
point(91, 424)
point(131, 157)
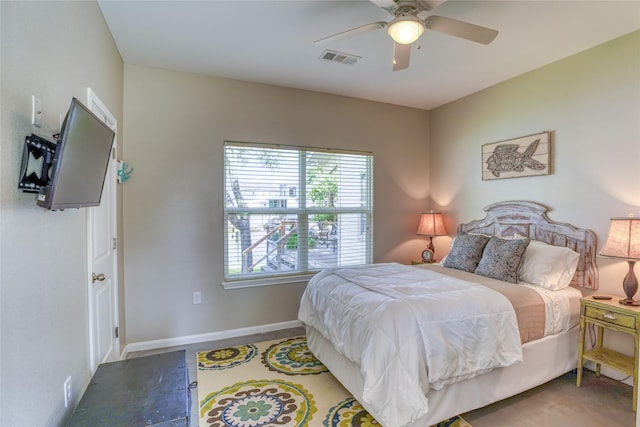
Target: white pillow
point(548, 266)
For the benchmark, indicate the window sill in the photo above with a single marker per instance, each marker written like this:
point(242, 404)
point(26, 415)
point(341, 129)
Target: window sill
point(266, 281)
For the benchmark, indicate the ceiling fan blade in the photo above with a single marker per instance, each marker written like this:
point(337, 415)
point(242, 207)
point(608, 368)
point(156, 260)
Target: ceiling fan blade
point(353, 32)
point(453, 27)
point(401, 55)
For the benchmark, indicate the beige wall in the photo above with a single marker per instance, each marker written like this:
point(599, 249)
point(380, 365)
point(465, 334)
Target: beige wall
point(175, 127)
point(54, 50)
point(591, 103)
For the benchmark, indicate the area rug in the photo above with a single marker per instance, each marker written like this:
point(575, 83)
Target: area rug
point(276, 383)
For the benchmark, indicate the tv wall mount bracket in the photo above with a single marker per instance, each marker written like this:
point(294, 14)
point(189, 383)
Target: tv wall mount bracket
point(37, 159)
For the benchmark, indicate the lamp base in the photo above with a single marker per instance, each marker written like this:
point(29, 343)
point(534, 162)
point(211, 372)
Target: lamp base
point(630, 286)
point(629, 301)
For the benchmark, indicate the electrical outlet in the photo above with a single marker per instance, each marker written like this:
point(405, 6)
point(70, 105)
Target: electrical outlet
point(197, 297)
point(67, 392)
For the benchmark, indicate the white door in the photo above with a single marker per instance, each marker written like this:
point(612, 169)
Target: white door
point(103, 258)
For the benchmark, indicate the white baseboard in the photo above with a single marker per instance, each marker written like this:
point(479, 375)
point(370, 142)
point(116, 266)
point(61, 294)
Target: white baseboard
point(210, 336)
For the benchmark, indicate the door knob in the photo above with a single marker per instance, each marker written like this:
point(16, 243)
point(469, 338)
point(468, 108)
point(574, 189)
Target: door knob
point(99, 277)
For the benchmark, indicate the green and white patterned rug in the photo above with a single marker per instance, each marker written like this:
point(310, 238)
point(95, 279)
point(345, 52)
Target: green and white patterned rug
point(276, 383)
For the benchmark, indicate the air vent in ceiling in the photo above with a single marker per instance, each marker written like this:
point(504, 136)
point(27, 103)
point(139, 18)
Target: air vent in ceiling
point(343, 58)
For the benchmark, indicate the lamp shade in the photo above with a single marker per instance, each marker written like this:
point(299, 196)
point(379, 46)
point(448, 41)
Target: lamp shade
point(431, 224)
point(623, 241)
point(405, 29)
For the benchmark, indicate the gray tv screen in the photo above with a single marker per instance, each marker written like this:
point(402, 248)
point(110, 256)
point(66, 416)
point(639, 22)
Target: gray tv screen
point(80, 161)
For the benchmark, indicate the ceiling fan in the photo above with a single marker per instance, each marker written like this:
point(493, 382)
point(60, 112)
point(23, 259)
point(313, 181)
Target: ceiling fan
point(406, 27)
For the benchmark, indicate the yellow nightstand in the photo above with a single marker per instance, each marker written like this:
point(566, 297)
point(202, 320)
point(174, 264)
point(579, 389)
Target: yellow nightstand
point(609, 314)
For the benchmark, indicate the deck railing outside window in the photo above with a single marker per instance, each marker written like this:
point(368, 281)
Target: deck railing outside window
point(276, 194)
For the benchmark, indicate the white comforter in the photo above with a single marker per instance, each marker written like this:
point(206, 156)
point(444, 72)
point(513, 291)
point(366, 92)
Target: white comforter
point(410, 330)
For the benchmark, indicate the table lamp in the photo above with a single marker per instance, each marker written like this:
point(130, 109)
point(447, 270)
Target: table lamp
point(623, 242)
point(431, 225)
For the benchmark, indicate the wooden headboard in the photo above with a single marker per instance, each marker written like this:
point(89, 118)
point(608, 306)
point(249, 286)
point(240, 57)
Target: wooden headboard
point(530, 219)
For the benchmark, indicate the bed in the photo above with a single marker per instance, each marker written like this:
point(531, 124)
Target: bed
point(389, 332)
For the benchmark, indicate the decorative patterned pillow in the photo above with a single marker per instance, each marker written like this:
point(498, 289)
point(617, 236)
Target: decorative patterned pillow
point(501, 259)
point(466, 252)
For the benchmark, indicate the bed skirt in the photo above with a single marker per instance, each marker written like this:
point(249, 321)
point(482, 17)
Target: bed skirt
point(544, 360)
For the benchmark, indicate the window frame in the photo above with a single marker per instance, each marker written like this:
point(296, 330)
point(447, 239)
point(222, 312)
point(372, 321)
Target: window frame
point(303, 273)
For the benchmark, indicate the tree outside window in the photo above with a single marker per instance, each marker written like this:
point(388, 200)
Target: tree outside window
point(276, 194)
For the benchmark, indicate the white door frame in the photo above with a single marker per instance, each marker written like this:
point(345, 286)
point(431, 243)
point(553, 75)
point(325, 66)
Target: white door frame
point(98, 107)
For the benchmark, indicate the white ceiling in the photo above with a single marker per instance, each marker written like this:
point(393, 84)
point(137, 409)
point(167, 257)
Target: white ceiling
point(271, 42)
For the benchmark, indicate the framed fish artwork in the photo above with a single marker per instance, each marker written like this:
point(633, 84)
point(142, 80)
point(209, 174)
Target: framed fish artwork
point(518, 157)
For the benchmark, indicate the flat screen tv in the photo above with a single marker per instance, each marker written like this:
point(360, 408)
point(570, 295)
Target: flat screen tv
point(80, 161)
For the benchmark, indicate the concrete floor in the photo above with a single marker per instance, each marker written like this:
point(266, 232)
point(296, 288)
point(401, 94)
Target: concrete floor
point(599, 402)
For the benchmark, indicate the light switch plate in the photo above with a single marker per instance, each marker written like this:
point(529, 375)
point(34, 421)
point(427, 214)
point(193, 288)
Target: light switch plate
point(36, 111)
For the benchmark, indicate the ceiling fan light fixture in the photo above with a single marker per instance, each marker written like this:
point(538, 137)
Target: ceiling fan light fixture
point(405, 29)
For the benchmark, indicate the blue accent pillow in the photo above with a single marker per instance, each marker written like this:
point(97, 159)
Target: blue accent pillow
point(466, 252)
point(501, 259)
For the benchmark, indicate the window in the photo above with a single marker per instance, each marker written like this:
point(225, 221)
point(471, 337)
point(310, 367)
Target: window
point(276, 194)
